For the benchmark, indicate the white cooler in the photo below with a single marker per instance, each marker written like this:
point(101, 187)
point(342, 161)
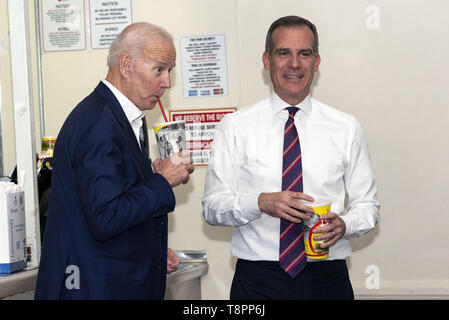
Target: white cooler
point(12, 229)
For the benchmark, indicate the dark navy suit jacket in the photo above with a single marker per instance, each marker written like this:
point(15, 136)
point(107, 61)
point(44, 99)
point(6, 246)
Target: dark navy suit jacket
point(106, 234)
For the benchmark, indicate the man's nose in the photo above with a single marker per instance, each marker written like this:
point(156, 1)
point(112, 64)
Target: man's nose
point(166, 81)
point(294, 63)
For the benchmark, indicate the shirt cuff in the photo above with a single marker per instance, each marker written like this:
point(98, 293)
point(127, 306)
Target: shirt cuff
point(353, 228)
point(249, 204)
point(347, 222)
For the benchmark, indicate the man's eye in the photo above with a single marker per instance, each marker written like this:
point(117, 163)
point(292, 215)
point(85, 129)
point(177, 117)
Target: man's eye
point(306, 54)
point(159, 69)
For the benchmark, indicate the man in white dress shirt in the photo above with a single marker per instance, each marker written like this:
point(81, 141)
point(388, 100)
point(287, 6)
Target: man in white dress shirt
point(244, 178)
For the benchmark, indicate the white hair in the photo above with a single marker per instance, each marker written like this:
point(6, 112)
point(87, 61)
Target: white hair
point(133, 39)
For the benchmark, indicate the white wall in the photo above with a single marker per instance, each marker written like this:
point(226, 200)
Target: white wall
point(394, 79)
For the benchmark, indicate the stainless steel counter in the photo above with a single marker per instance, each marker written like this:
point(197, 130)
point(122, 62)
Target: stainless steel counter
point(185, 283)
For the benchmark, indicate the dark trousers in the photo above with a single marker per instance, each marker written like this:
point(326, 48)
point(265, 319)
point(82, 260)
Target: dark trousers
point(265, 280)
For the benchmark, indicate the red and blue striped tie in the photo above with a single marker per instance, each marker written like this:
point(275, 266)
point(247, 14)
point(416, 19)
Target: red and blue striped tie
point(291, 248)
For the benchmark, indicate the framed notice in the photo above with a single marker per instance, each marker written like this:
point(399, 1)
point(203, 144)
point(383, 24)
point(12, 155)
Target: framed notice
point(63, 25)
point(200, 130)
point(204, 69)
point(107, 19)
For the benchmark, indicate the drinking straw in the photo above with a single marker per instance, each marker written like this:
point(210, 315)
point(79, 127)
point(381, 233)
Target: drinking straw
point(162, 109)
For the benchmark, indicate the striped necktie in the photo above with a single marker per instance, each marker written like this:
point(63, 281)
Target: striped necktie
point(291, 247)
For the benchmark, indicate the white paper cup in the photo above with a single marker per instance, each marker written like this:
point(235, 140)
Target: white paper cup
point(170, 137)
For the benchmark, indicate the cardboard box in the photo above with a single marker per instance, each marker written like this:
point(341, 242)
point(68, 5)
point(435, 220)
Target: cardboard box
point(12, 232)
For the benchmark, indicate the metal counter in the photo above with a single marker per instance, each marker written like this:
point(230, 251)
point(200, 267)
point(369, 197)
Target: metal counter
point(185, 283)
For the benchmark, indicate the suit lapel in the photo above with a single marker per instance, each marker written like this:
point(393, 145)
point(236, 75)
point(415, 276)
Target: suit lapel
point(128, 132)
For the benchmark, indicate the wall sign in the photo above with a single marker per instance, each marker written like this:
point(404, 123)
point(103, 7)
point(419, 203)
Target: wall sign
point(107, 19)
point(63, 25)
point(204, 70)
point(200, 129)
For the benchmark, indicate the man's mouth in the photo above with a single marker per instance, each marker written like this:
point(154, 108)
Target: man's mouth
point(294, 76)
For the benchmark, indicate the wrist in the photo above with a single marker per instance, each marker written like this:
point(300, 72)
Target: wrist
point(262, 201)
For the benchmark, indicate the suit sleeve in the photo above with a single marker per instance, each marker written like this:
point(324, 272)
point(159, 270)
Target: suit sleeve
point(114, 194)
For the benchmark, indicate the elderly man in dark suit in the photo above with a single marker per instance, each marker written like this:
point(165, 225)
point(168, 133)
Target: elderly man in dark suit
point(106, 235)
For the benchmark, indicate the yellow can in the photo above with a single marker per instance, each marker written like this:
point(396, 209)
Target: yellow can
point(312, 247)
point(48, 145)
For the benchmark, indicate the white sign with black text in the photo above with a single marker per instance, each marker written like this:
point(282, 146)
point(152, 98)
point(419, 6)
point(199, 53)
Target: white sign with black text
point(204, 69)
point(63, 25)
point(107, 19)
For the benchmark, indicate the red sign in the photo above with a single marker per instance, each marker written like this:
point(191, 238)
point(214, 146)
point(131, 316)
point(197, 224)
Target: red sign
point(200, 129)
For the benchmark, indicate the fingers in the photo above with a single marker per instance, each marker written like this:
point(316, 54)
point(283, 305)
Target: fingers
point(285, 205)
point(332, 231)
point(291, 213)
point(190, 168)
point(156, 165)
point(329, 238)
point(172, 261)
point(176, 169)
point(172, 258)
point(302, 196)
point(296, 202)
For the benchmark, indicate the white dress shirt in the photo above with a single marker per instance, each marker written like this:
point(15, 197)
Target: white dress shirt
point(132, 112)
point(246, 160)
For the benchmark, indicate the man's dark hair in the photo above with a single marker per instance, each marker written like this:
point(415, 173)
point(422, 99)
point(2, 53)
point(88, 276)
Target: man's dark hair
point(291, 21)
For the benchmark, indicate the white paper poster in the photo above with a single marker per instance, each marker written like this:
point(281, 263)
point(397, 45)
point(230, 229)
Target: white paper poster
point(63, 25)
point(107, 19)
point(204, 69)
point(200, 130)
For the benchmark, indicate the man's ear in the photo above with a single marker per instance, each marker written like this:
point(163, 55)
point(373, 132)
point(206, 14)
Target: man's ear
point(317, 62)
point(266, 60)
point(125, 65)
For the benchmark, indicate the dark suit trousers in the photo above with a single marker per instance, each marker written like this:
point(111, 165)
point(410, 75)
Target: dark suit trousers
point(265, 280)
